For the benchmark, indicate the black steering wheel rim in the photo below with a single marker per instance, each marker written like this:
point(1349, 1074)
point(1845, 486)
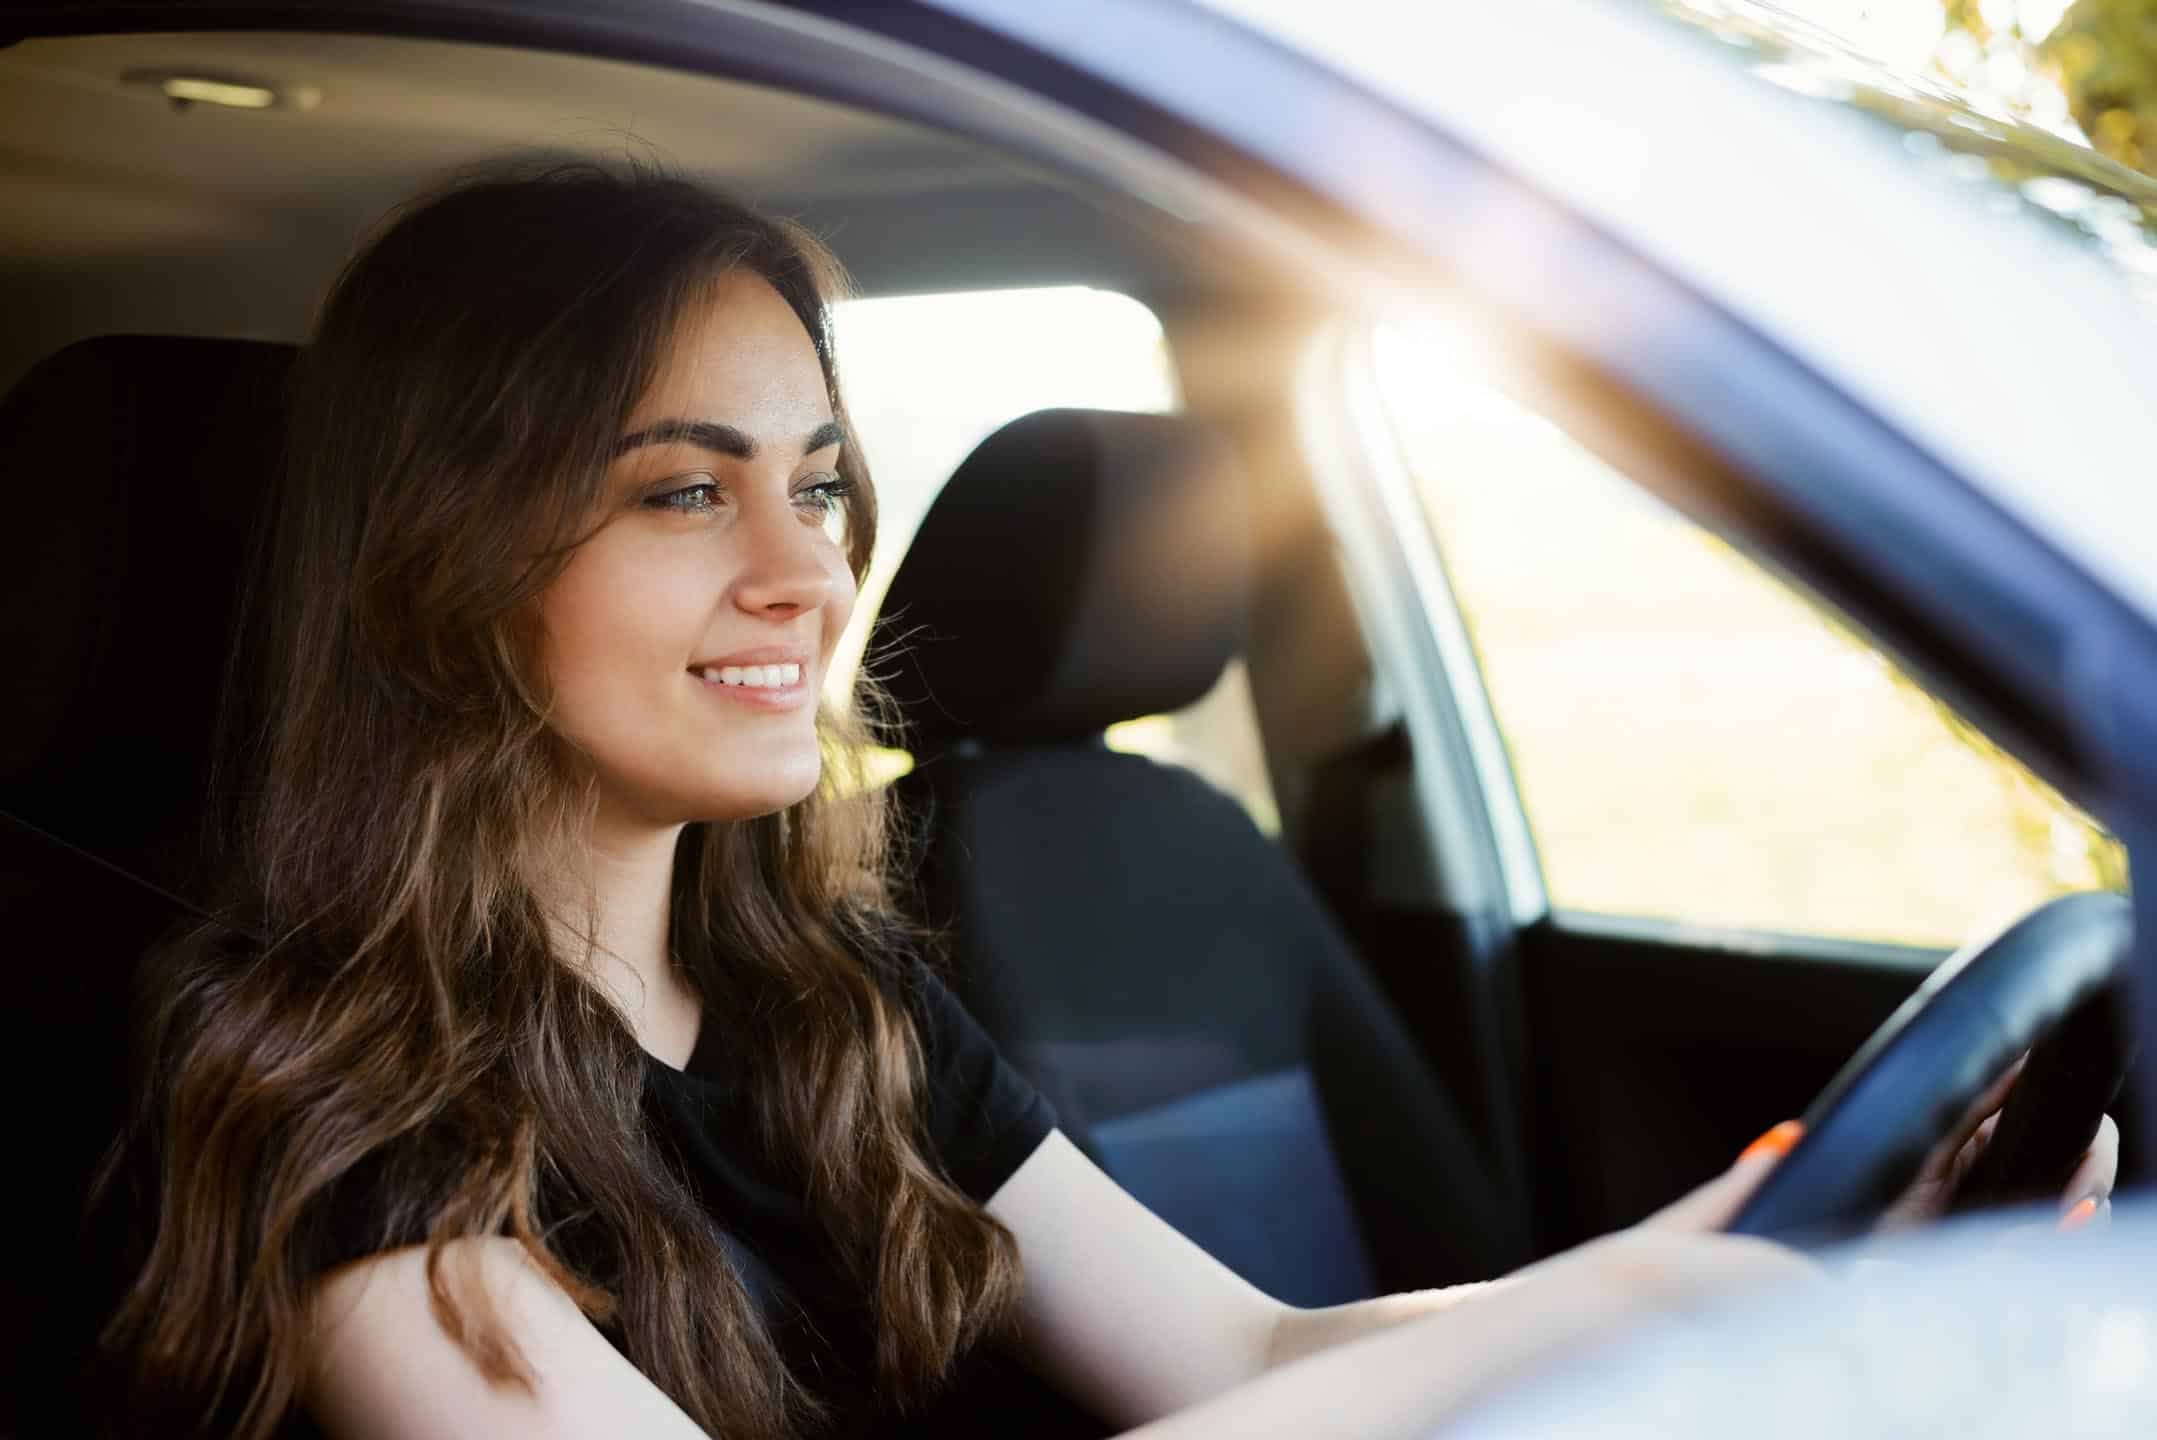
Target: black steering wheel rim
point(1868, 1133)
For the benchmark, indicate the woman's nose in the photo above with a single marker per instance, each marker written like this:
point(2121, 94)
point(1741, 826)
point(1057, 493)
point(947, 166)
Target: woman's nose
point(787, 569)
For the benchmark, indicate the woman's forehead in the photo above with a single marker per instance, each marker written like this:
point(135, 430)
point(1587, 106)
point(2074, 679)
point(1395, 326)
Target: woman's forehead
point(741, 357)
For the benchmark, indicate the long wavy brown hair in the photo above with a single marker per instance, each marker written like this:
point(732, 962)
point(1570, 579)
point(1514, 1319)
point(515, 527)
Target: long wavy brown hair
point(383, 1010)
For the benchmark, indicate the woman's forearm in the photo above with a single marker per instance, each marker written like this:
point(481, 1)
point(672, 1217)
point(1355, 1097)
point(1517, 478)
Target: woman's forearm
point(1299, 1333)
point(1397, 1366)
point(1394, 1366)
point(1143, 1328)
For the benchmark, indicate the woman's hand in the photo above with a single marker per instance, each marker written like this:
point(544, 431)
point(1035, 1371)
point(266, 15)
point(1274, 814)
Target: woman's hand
point(1679, 1255)
point(1715, 1204)
point(2087, 1195)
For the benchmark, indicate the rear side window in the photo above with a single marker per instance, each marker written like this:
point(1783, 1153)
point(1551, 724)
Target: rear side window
point(928, 377)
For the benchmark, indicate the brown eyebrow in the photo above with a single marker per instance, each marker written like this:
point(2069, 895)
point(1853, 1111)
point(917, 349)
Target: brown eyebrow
point(722, 439)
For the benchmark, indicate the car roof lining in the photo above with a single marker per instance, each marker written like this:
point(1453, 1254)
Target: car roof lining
point(110, 193)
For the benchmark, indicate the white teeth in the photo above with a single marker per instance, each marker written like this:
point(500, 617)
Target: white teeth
point(756, 677)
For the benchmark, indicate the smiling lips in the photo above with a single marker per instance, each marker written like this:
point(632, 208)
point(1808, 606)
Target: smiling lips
point(782, 680)
point(756, 677)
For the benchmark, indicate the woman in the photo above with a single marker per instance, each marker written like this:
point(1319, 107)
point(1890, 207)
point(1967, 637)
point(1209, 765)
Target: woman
point(563, 1070)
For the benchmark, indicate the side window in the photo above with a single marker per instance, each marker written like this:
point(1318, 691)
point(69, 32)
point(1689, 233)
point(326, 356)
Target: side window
point(1692, 740)
point(928, 377)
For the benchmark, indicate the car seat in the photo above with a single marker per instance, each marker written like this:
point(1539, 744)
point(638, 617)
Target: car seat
point(1155, 964)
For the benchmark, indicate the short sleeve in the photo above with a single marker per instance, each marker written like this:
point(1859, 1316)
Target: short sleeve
point(983, 1117)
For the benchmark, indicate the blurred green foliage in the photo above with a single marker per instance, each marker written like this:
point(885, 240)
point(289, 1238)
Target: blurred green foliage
point(2103, 54)
point(1977, 97)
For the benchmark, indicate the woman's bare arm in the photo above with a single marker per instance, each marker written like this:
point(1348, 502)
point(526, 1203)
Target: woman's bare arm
point(1135, 1322)
point(1397, 1383)
point(383, 1367)
point(1122, 1312)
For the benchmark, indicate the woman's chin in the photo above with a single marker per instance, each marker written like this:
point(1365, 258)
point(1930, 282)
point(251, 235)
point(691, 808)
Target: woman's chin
point(768, 795)
point(685, 795)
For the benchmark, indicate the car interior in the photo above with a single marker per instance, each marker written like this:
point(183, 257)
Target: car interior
point(1319, 1052)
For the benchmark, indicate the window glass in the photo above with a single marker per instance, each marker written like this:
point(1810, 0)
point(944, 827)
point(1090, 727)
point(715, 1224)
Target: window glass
point(1692, 739)
point(928, 377)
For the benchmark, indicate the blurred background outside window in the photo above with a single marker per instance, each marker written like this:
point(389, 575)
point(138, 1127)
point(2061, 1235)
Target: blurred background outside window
point(2084, 70)
point(2045, 104)
point(1694, 741)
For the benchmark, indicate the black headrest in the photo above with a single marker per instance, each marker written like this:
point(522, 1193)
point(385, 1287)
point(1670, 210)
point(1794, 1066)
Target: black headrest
point(135, 468)
point(1082, 567)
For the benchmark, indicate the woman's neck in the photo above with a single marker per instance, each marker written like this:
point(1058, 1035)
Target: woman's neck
point(630, 885)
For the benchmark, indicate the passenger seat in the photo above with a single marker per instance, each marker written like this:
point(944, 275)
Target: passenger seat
point(1155, 964)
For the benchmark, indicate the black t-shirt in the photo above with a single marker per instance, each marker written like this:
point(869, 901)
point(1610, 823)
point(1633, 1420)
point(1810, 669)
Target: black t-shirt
point(983, 1121)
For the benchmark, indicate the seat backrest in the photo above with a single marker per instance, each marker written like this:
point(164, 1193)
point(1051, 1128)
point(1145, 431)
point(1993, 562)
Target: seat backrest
point(135, 469)
point(1155, 964)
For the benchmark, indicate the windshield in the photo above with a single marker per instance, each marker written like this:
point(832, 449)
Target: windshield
point(2007, 126)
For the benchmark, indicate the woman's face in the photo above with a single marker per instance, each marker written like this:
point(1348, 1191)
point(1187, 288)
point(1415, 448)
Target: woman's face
point(687, 640)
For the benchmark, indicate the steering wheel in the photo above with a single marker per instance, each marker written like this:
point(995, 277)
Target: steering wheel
point(2056, 984)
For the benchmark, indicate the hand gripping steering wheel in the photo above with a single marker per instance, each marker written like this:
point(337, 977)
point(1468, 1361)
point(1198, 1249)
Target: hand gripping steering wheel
point(2056, 984)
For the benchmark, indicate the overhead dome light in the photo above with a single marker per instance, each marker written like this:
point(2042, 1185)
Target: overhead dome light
point(219, 92)
point(184, 88)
